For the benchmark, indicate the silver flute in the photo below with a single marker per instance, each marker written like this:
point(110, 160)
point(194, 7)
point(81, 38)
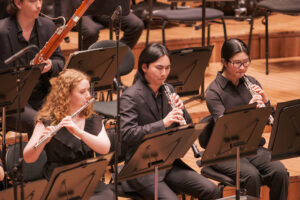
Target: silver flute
point(59, 125)
point(248, 85)
point(182, 122)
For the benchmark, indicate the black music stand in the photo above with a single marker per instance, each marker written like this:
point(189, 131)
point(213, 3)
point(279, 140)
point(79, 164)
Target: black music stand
point(188, 68)
point(236, 134)
point(76, 181)
point(285, 136)
point(99, 64)
point(32, 191)
point(12, 80)
point(158, 151)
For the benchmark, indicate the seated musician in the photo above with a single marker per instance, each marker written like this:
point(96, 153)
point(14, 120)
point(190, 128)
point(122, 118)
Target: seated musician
point(98, 15)
point(230, 90)
point(80, 136)
point(144, 109)
point(25, 27)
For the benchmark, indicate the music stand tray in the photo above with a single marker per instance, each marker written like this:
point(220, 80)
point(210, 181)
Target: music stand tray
point(99, 64)
point(32, 191)
point(160, 150)
point(76, 181)
point(188, 68)
point(242, 127)
point(285, 135)
point(29, 76)
point(236, 134)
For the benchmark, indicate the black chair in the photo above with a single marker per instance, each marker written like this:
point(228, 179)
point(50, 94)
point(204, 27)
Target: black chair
point(31, 171)
point(185, 15)
point(109, 108)
point(289, 7)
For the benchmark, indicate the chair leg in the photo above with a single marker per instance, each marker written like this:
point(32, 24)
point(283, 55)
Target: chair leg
point(221, 188)
point(208, 34)
point(224, 28)
point(267, 41)
point(251, 30)
point(163, 32)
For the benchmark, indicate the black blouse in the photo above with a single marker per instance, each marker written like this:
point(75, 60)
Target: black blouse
point(64, 148)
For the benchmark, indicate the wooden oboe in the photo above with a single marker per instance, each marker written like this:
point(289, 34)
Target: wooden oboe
point(183, 122)
point(60, 33)
point(59, 126)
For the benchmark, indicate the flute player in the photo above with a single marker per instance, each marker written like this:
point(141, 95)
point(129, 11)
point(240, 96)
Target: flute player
point(80, 136)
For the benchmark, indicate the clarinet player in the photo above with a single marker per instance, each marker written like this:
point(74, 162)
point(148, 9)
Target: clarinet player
point(145, 109)
point(22, 28)
point(81, 135)
point(231, 89)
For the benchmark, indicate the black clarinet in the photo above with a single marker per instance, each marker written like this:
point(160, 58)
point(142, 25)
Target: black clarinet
point(183, 122)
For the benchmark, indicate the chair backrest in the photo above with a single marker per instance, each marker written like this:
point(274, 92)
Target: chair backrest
point(31, 171)
point(122, 148)
point(207, 131)
point(127, 64)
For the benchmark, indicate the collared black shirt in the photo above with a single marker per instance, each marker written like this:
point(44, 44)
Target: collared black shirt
point(222, 94)
point(23, 43)
point(158, 101)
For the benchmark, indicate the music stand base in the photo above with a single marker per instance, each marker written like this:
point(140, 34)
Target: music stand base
point(242, 197)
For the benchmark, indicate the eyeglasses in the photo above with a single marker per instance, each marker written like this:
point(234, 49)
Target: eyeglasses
point(238, 64)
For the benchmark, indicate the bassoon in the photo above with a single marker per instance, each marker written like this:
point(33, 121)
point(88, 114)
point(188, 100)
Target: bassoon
point(60, 34)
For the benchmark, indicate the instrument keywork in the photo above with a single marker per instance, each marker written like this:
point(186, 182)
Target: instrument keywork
point(60, 33)
point(183, 122)
point(59, 126)
point(248, 85)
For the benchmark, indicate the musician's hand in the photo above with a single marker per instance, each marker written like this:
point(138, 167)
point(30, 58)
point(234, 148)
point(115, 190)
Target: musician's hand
point(47, 131)
point(71, 126)
point(257, 99)
point(48, 66)
point(260, 91)
point(174, 116)
point(178, 102)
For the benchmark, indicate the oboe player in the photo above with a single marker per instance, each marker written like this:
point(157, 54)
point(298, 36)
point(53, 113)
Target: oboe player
point(25, 27)
point(230, 90)
point(80, 136)
point(145, 109)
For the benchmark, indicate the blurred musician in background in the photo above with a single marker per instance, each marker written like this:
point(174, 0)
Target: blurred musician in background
point(229, 90)
point(145, 109)
point(98, 15)
point(80, 136)
point(25, 27)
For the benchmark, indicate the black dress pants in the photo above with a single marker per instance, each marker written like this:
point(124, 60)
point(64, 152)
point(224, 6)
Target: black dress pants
point(182, 180)
point(258, 169)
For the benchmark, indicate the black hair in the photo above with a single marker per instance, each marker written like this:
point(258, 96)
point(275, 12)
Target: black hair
point(149, 55)
point(11, 8)
point(231, 47)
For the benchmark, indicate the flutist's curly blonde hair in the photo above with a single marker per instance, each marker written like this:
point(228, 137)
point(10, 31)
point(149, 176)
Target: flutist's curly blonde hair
point(56, 106)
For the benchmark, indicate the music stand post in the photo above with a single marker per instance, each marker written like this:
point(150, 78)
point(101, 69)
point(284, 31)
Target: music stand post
point(118, 18)
point(159, 150)
point(19, 82)
point(188, 69)
point(235, 135)
point(285, 136)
